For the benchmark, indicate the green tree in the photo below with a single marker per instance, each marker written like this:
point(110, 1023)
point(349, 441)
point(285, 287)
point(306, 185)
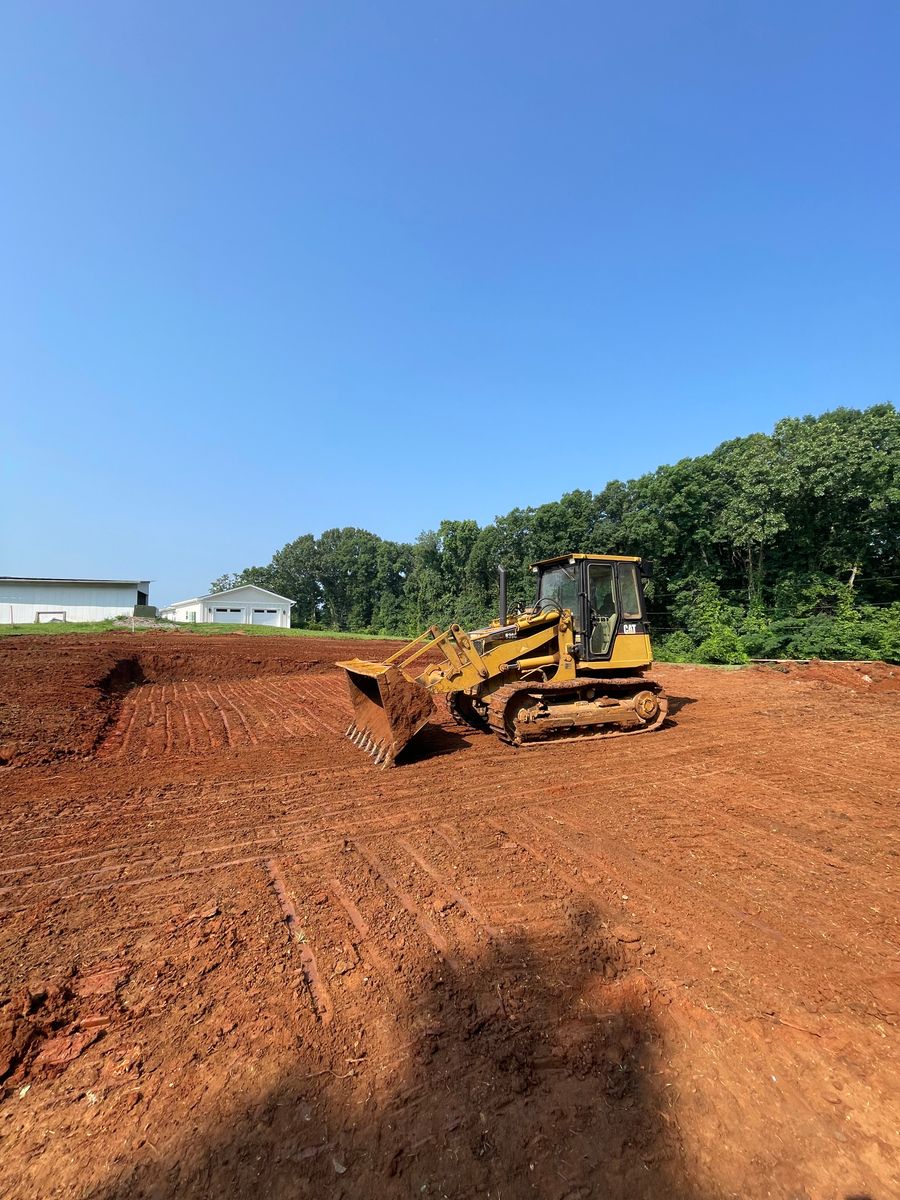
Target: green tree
point(224, 582)
point(347, 560)
point(771, 545)
point(293, 572)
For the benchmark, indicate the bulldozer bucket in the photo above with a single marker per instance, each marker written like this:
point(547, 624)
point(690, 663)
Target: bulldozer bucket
point(388, 708)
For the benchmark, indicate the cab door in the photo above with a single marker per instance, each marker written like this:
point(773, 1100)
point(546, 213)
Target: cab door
point(603, 609)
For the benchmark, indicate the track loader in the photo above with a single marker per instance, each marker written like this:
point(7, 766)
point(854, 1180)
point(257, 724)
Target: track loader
point(571, 665)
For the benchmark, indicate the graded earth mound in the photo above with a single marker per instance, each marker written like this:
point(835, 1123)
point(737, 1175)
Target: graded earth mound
point(236, 959)
point(860, 676)
point(57, 695)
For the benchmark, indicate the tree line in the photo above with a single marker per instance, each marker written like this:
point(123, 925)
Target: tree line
point(773, 545)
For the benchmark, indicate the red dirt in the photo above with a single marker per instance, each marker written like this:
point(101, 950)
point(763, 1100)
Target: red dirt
point(860, 676)
point(56, 702)
point(239, 960)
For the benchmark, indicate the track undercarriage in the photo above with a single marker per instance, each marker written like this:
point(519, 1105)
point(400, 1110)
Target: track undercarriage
point(524, 713)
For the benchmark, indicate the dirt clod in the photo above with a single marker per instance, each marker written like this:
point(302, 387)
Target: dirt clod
point(625, 933)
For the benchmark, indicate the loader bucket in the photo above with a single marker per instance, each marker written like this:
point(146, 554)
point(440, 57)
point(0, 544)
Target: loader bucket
point(388, 708)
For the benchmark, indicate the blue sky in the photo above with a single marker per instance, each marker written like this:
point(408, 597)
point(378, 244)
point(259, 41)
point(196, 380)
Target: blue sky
point(270, 268)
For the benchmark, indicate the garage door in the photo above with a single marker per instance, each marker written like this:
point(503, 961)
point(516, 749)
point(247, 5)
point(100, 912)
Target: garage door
point(265, 616)
point(233, 615)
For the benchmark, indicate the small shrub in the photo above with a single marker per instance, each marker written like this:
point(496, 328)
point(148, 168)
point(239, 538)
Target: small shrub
point(675, 647)
point(722, 646)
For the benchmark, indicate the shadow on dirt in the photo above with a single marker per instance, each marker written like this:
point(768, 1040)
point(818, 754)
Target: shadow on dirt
point(432, 741)
point(519, 1074)
point(677, 703)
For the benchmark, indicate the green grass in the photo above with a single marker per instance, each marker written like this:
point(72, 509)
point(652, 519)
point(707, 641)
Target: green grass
point(56, 627)
point(51, 628)
point(268, 631)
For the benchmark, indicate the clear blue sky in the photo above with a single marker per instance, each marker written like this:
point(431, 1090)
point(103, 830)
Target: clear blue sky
point(273, 267)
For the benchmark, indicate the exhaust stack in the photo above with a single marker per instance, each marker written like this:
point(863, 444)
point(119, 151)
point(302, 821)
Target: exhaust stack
point(501, 574)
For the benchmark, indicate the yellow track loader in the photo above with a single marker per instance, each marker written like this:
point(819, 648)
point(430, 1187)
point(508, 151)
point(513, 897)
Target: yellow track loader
point(570, 665)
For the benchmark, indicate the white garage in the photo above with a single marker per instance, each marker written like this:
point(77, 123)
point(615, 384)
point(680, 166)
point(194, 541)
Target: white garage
point(244, 605)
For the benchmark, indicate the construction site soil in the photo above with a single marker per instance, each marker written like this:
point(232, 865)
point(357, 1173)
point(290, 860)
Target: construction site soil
point(238, 960)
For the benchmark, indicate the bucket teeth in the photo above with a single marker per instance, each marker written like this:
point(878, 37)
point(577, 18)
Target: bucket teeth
point(363, 740)
point(349, 730)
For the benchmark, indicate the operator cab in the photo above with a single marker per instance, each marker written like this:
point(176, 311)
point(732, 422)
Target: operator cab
point(604, 594)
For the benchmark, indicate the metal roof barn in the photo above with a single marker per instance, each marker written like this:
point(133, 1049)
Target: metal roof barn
point(27, 600)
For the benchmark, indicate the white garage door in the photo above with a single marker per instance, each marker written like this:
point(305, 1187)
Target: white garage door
point(265, 616)
point(233, 615)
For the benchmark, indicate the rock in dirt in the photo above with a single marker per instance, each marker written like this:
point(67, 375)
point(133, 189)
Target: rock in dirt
point(625, 933)
point(65, 1048)
point(886, 990)
point(100, 983)
point(37, 995)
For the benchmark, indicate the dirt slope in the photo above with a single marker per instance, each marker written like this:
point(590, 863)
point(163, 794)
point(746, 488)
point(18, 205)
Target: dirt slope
point(237, 960)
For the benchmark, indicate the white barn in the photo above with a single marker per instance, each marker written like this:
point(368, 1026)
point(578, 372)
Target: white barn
point(244, 605)
point(28, 600)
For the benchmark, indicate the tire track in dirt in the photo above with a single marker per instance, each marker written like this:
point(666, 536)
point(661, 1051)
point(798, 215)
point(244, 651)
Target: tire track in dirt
point(159, 698)
point(698, 811)
point(196, 700)
point(588, 876)
point(427, 926)
point(318, 992)
point(614, 862)
point(357, 783)
point(140, 881)
point(509, 901)
point(366, 945)
point(269, 708)
point(288, 709)
point(204, 817)
point(449, 888)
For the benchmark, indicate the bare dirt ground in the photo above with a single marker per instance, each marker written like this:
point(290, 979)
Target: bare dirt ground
point(237, 960)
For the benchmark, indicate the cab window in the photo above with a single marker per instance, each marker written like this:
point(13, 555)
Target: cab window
point(629, 594)
point(558, 588)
